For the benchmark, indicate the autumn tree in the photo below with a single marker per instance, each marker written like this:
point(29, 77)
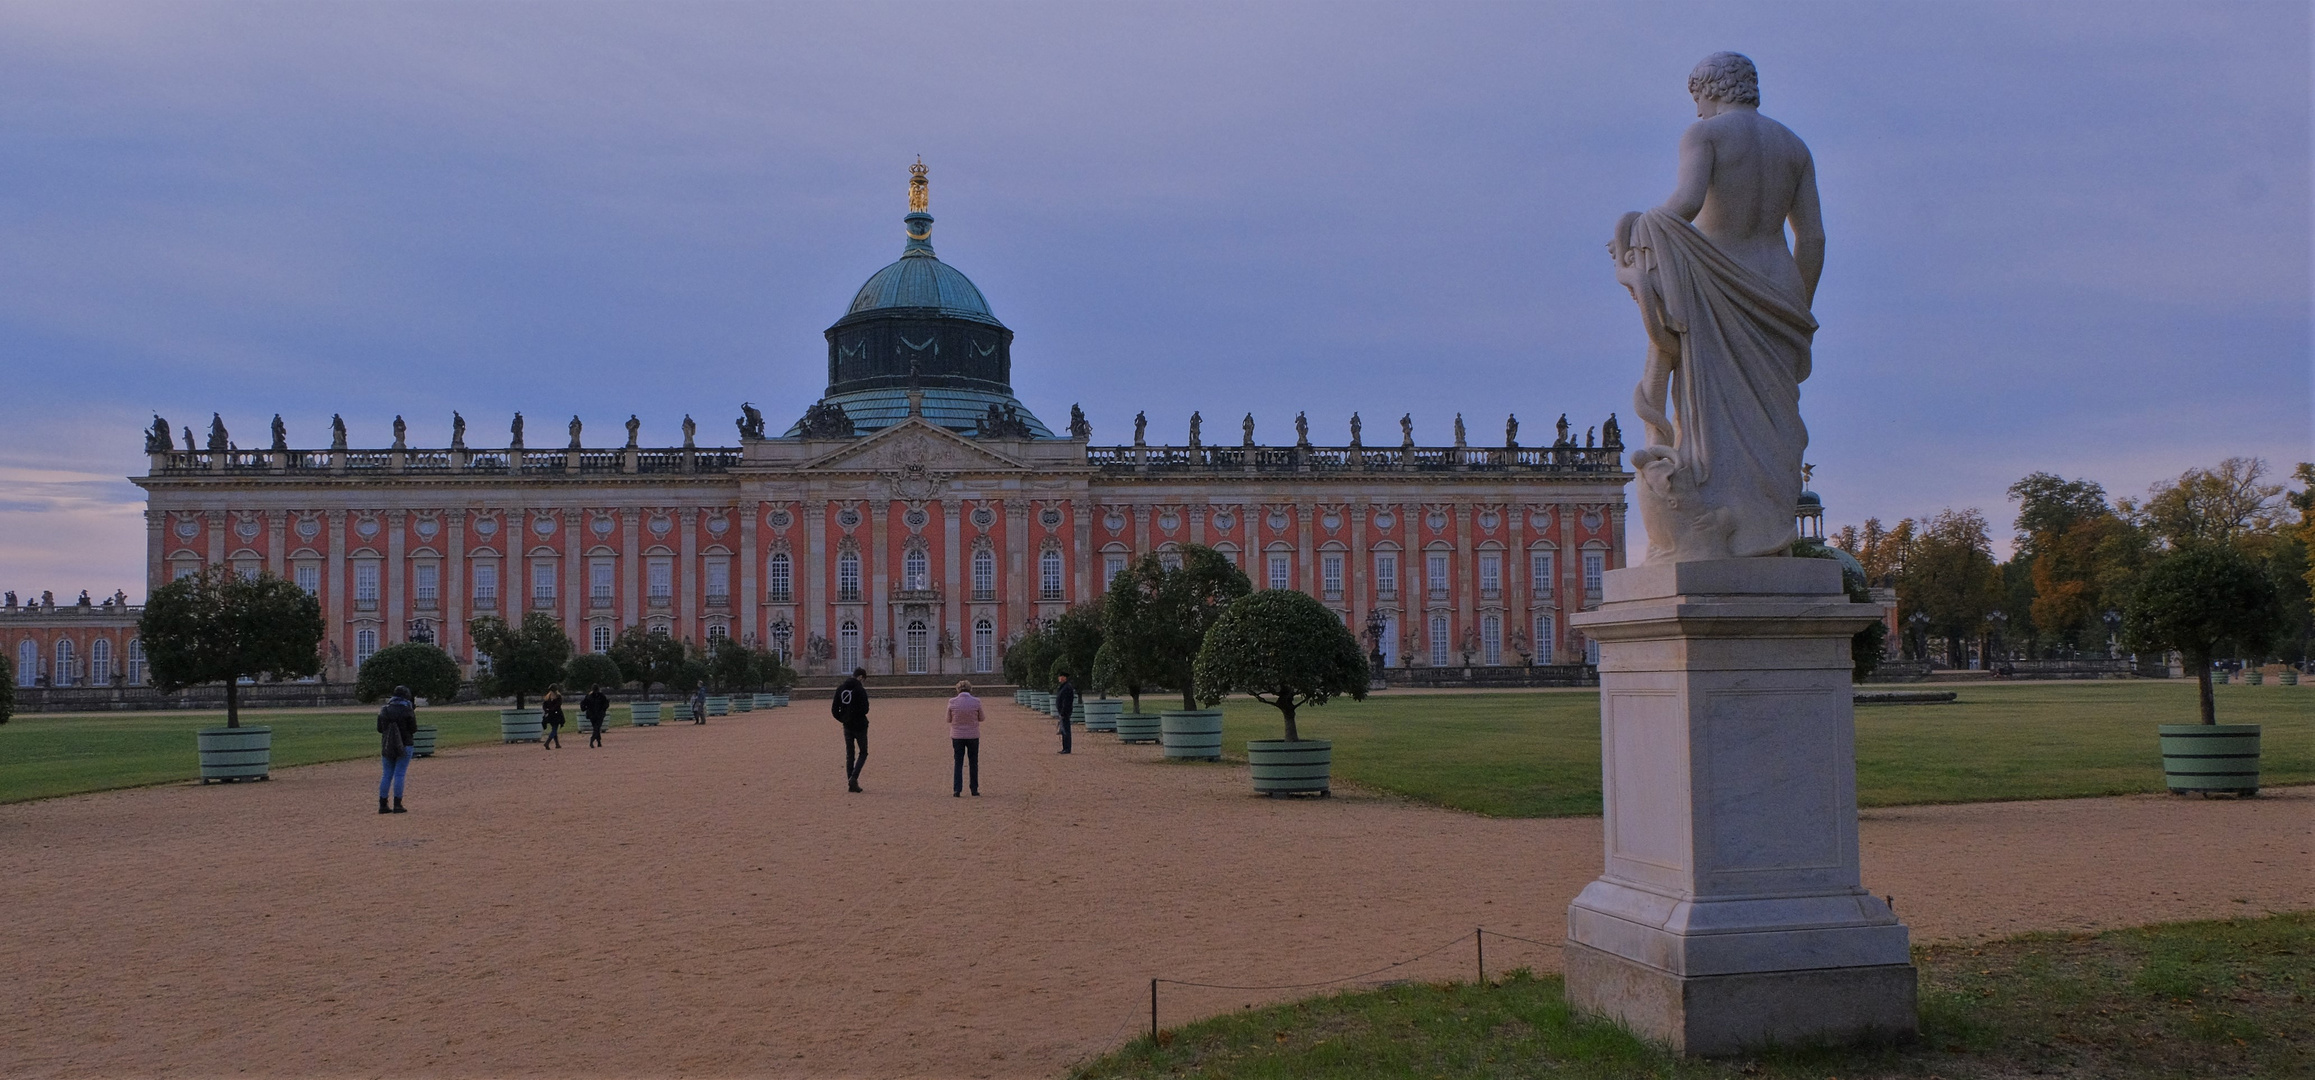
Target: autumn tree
point(1949, 576)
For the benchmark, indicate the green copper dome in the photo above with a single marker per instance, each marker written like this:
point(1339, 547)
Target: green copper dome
point(919, 280)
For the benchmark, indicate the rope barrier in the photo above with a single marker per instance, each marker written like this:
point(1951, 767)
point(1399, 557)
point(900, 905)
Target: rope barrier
point(1478, 936)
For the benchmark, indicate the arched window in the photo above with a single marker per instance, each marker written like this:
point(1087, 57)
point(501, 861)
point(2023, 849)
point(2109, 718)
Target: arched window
point(67, 668)
point(27, 662)
point(918, 648)
point(915, 570)
point(848, 646)
point(778, 579)
point(717, 632)
point(984, 575)
point(848, 579)
point(602, 638)
point(1049, 575)
point(1439, 641)
point(1491, 640)
point(984, 647)
point(365, 644)
point(1390, 641)
point(136, 671)
point(1546, 638)
point(100, 662)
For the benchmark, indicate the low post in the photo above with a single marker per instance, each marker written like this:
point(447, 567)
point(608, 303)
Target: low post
point(1731, 913)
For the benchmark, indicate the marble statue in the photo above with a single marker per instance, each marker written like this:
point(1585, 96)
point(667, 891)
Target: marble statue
point(1249, 429)
point(457, 431)
point(1197, 425)
point(1354, 429)
point(515, 430)
point(1406, 429)
point(1459, 441)
point(1563, 439)
point(157, 440)
point(635, 430)
point(574, 431)
point(1589, 433)
point(217, 436)
point(690, 431)
point(401, 434)
point(1079, 428)
point(189, 443)
point(280, 433)
point(751, 421)
point(337, 432)
point(1140, 426)
point(1725, 304)
point(1511, 432)
point(1301, 429)
point(1611, 434)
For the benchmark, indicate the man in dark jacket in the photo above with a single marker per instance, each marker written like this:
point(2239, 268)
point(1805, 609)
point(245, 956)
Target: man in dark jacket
point(1064, 703)
point(851, 710)
point(595, 706)
point(397, 729)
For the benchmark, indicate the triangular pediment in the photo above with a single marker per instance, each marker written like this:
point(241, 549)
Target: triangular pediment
point(914, 446)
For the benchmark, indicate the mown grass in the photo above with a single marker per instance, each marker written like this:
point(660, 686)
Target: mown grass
point(1537, 754)
point(2208, 999)
point(43, 756)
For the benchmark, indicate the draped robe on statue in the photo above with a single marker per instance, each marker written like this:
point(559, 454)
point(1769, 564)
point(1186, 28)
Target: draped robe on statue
point(1729, 348)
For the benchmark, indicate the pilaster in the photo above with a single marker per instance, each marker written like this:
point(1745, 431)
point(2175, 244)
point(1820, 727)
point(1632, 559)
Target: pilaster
point(687, 575)
point(393, 613)
point(751, 512)
point(880, 631)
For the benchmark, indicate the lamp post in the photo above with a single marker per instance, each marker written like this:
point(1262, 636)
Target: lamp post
point(1995, 620)
point(2113, 632)
point(1920, 621)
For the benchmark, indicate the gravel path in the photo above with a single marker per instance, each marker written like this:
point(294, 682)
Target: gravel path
point(709, 901)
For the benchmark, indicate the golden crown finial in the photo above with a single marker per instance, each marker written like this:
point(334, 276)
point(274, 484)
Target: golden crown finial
point(917, 201)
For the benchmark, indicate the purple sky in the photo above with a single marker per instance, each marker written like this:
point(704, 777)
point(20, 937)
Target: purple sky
point(2063, 237)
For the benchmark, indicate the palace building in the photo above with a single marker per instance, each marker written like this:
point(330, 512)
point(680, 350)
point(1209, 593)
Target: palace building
point(915, 519)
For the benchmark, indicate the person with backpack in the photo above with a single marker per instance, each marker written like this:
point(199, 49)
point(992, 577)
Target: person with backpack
point(551, 715)
point(595, 706)
point(397, 730)
point(851, 710)
point(1064, 703)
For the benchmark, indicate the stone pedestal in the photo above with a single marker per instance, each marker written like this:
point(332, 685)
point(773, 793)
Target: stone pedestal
point(1731, 913)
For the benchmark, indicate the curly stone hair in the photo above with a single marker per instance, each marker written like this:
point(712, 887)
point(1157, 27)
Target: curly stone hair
point(1726, 76)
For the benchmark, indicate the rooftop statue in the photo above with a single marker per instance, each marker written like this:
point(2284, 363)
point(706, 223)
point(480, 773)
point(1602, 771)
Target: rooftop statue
point(574, 431)
point(457, 431)
point(1249, 429)
point(1725, 305)
point(1406, 429)
point(1511, 432)
point(635, 430)
point(217, 437)
point(1301, 429)
point(401, 434)
point(157, 440)
point(751, 422)
point(1078, 427)
point(189, 443)
point(515, 431)
point(1563, 439)
point(1459, 440)
point(690, 431)
point(1612, 434)
point(1197, 423)
point(1140, 427)
point(337, 432)
point(1354, 429)
point(280, 433)
point(825, 421)
point(1002, 422)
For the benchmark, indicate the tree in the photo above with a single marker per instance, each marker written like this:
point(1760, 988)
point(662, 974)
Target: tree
point(1867, 645)
point(1283, 648)
point(422, 666)
point(1179, 605)
point(687, 676)
point(218, 626)
point(1076, 640)
point(524, 660)
point(2197, 599)
point(2049, 505)
point(2223, 505)
point(7, 689)
point(647, 657)
point(731, 667)
point(587, 671)
point(1949, 575)
point(773, 673)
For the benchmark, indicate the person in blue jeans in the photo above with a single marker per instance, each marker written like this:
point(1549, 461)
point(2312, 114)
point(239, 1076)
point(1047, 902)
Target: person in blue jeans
point(397, 729)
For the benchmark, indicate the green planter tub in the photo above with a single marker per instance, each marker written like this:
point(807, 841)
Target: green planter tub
point(1289, 768)
point(521, 725)
point(1138, 727)
point(2211, 758)
point(1101, 714)
point(718, 705)
point(779, 700)
point(644, 713)
point(422, 744)
point(1041, 701)
point(242, 753)
point(743, 703)
point(1191, 734)
point(681, 711)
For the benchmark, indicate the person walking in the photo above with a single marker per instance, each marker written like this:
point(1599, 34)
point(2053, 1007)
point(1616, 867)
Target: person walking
point(699, 704)
point(851, 710)
point(551, 715)
point(397, 729)
point(595, 706)
point(1064, 703)
point(965, 739)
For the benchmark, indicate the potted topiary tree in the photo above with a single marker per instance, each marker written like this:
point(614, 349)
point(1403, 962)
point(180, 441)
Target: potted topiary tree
point(588, 670)
point(525, 660)
point(1076, 635)
point(731, 676)
point(1286, 650)
point(648, 658)
point(218, 626)
point(773, 677)
point(686, 677)
point(1170, 611)
point(422, 666)
point(2195, 599)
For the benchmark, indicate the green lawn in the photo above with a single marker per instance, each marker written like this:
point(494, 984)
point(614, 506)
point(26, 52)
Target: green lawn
point(1537, 755)
point(43, 756)
point(2212, 999)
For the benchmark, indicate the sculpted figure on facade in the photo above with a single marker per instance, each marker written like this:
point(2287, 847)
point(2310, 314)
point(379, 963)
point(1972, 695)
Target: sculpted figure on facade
point(514, 431)
point(690, 432)
point(1406, 429)
point(1725, 306)
point(280, 433)
point(1078, 427)
point(825, 421)
point(635, 432)
point(189, 443)
point(1301, 429)
point(1354, 429)
point(1196, 422)
point(1459, 440)
point(1140, 427)
point(574, 431)
point(337, 432)
point(157, 440)
point(401, 434)
point(217, 437)
point(1563, 440)
point(1511, 432)
point(1249, 429)
point(1611, 434)
point(751, 421)
point(457, 431)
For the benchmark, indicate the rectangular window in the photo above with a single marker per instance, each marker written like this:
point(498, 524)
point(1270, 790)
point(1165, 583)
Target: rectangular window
point(1435, 569)
point(848, 580)
point(848, 648)
point(984, 575)
point(184, 569)
point(984, 647)
point(1387, 574)
point(365, 645)
point(661, 581)
point(1330, 574)
point(1390, 641)
point(1595, 564)
point(426, 583)
point(136, 662)
point(601, 638)
point(779, 580)
point(1546, 638)
point(248, 569)
point(1491, 640)
point(309, 578)
point(1439, 641)
point(485, 584)
point(1540, 572)
point(718, 583)
point(1281, 568)
point(1490, 573)
point(1111, 566)
point(599, 576)
point(366, 583)
point(542, 583)
point(1591, 652)
point(1049, 575)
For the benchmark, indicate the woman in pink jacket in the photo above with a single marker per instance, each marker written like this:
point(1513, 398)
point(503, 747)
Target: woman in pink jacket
point(965, 738)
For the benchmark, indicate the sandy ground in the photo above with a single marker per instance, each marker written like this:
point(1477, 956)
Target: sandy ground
point(709, 901)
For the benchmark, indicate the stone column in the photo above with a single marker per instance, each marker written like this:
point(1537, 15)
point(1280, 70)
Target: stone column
point(1518, 598)
point(687, 575)
point(751, 512)
point(335, 588)
point(393, 612)
point(1464, 580)
point(1016, 578)
point(577, 585)
point(215, 522)
point(156, 535)
point(953, 557)
point(276, 533)
point(814, 570)
point(630, 566)
point(1731, 912)
point(1354, 576)
point(453, 582)
point(880, 621)
point(1305, 550)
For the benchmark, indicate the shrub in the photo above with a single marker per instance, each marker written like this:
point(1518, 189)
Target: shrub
point(220, 627)
point(1283, 648)
point(587, 671)
point(422, 666)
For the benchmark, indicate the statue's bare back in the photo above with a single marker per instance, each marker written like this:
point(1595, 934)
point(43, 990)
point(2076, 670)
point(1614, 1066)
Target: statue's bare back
point(1743, 177)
